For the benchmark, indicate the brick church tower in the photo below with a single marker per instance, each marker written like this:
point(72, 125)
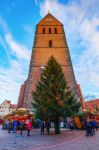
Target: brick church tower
point(49, 40)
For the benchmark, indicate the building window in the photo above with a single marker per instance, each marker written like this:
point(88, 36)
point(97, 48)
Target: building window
point(50, 43)
point(49, 30)
point(43, 30)
point(55, 30)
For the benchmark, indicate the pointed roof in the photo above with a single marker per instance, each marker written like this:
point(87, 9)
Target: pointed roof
point(49, 19)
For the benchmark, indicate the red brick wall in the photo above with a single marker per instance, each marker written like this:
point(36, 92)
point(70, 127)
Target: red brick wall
point(91, 105)
point(20, 103)
point(41, 53)
point(80, 95)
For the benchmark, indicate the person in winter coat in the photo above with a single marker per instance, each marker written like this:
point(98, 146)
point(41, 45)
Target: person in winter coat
point(15, 124)
point(21, 126)
point(29, 125)
point(9, 126)
point(42, 127)
point(47, 126)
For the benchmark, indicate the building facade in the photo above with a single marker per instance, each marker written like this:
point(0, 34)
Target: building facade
point(21, 95)
point(50, 40)
point(7, 107)
point(92, 105)
point(81, 98)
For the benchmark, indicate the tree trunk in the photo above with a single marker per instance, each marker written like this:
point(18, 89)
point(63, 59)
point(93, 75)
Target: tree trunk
point(57, 126)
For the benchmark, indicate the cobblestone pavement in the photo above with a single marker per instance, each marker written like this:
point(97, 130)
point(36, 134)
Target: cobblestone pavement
point(67, 140)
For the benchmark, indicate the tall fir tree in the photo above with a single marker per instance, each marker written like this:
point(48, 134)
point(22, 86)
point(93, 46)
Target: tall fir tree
point(52, 98)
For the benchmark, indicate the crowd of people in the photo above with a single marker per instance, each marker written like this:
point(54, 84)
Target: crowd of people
point(90, 126)
point(15, 125)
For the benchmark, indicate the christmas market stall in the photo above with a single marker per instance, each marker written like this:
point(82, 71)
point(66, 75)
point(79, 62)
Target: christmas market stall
point(81, 117)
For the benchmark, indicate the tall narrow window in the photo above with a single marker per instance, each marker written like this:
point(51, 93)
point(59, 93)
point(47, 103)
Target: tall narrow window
point(49, 30)
point(50, 43)
point(43, 30)
point(55, 30)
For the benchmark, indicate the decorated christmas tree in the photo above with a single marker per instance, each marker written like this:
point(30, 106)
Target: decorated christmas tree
point(53, 98)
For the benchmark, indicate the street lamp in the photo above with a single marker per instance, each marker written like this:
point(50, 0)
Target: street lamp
point(42, 68)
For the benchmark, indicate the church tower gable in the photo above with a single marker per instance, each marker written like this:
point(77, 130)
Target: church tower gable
point(49, 20)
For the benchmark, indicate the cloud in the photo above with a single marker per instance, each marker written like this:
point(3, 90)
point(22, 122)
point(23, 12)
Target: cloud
point(2, 41)
point(12, 76)
point(81, 22)
point(16, 48)
point(11, 79)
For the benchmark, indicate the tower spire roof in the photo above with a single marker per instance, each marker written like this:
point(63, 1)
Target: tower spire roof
point(49, 19)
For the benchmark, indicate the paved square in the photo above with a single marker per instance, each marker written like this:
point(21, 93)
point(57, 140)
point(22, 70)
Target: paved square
point(67, 140)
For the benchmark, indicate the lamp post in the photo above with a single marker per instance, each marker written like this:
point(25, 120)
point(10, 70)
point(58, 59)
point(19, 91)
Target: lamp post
point(42, 68)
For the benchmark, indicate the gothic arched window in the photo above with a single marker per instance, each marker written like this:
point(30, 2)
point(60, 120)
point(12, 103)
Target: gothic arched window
point(49, 30)
point(50, 43)
point(55, 30)
point(43, 30)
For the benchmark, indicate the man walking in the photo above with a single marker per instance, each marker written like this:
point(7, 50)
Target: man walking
point(42, 127)
point(15, 123)
point(47, 126)
point(21, 126)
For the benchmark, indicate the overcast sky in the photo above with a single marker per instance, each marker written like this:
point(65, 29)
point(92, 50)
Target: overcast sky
point(18, 19)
